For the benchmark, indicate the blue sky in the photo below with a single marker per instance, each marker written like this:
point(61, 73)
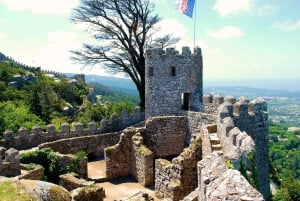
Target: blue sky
point(240, 39)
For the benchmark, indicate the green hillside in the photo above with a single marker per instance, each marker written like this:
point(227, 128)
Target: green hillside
point(30, 97)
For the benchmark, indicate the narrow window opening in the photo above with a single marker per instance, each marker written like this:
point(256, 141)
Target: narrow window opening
point(185, 104)
point(173, 71)
point(150, 71)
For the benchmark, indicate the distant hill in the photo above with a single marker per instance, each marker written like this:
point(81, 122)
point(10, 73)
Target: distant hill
point(121, 84)
point(128, 86)
point(251, 92)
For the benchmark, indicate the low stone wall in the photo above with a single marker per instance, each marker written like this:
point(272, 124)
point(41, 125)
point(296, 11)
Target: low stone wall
point(175, 180)
point(34, 172)
point(89, 144)
point(72, 181)
point(24, 139)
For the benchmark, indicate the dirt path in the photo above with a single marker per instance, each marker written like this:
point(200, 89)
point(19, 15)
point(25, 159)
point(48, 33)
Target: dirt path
point(119, 188)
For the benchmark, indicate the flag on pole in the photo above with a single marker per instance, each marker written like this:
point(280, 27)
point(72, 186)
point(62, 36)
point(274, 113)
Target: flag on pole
point(186, 7)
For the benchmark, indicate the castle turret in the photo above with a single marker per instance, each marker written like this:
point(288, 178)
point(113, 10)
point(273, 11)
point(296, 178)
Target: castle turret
point(173, 81)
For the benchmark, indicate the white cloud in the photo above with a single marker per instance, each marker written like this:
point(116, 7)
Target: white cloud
point(226, 33)
point(171, 26)
point(230, 7)
point(62, 36)
point(266, 10)
point(2, 36)
point(287, 26)
point(42, 6)
point(2, 21)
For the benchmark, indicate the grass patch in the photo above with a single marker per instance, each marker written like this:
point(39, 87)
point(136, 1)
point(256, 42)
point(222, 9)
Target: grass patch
point(14, 191)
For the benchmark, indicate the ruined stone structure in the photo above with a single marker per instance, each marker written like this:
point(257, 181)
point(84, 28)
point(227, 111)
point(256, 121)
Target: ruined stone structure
point(173, 81)
point(174, 87)
point(191, 147)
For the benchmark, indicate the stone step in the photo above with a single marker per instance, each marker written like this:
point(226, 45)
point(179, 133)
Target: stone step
point(214, 139)
point(216, 147)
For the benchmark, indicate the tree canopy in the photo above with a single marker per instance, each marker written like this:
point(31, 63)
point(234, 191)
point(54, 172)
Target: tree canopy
point(122, 29)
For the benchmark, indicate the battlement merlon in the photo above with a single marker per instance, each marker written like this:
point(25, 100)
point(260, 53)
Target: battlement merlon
point(186, 52)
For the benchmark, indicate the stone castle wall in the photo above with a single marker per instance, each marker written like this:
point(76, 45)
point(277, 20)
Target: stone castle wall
point(162, 133)
point(130, 157)
point(25, 140)
point(252, 117)
point(218, 182)
point(173, 81)
point(175, 179)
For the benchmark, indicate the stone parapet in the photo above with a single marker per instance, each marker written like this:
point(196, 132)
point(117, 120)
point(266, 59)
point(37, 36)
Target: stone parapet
point(93, 144)
point(251, 119)
point(218, 182)
point(24, 139)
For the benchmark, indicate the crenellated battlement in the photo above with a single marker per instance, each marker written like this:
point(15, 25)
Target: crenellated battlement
point(171, 52)
point(24, 139)
point(235, 107)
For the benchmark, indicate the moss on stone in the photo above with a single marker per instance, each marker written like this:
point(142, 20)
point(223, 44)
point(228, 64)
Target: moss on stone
point(57, 193)
point(144, 150)
point(90, 193)
point(229, 164)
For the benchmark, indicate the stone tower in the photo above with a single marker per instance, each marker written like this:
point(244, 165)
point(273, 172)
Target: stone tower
point(173, 81)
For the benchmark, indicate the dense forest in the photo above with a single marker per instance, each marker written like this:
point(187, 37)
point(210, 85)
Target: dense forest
point(284, 154)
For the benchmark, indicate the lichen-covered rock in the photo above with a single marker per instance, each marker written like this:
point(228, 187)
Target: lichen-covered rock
point(231, 185)
point(46, 191)
point(89, 193)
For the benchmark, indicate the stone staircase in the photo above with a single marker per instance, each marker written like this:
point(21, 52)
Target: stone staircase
point(211, 141)
point(215, 142)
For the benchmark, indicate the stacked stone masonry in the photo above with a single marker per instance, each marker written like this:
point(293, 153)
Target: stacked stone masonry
point(173, 81)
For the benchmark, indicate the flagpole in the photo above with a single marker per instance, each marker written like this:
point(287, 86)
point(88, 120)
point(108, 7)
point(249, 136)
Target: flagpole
point(195, 17)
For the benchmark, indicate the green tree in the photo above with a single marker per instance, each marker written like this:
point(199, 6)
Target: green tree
point(123, 29)
point(289, 191)
point(15, 115)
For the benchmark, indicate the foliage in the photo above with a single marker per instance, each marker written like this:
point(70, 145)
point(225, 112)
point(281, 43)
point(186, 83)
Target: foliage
point(10, 190)
point(284, 151)
point(15, 115)
point(289, 191)
point(48, 159)
point(110, 95)
point(123, 29)
point(95, 113)
point(36, 101)
point(79, 156)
